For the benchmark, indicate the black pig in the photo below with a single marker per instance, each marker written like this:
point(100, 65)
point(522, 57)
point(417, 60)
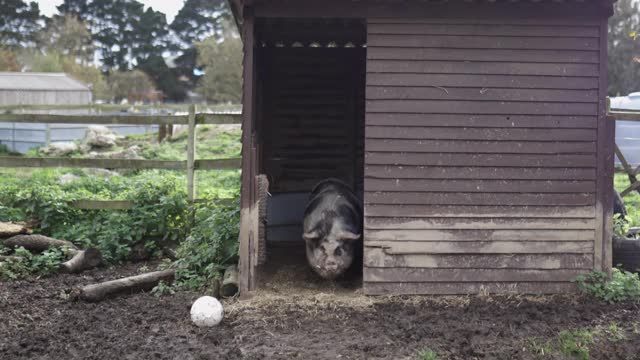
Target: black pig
point(332, 228)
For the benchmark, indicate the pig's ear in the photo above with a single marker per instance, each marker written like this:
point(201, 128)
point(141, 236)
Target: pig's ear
point(349, 236)
point(311, 236)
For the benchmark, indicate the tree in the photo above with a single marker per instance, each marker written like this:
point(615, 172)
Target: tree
point(165, 79)
point(151, 33)
point(130, 84)
point(195, 22)
point(9, 60)
point(18, 23)
point(623, 71)
point(222, 63)
point(68, 36)
point(78, 8)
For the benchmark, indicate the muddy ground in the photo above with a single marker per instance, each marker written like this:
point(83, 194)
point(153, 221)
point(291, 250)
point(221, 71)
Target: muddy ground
point(37, 322)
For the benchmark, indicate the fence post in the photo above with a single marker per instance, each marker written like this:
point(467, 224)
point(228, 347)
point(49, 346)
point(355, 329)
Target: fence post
point(191, 154)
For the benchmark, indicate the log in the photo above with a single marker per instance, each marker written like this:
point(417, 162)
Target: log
point(128, 285)
point(37, 243)
point(83, 260)
point(11, 229)
point(230, 281)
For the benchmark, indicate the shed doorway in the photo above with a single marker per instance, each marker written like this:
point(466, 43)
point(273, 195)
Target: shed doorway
point(310, 102)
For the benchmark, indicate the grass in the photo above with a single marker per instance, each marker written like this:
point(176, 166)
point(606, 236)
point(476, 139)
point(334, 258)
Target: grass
point(576, 343)
point(213, 142)
point(427, 354)
point(631, 201)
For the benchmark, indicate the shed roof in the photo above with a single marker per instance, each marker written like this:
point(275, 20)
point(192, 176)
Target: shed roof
point(237, 6)
point(27, 81)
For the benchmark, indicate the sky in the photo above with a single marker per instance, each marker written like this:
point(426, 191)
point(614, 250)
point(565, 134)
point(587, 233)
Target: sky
point(169, 7)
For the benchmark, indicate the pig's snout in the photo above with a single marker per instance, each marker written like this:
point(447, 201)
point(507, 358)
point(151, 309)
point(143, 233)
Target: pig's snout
point(331, 265)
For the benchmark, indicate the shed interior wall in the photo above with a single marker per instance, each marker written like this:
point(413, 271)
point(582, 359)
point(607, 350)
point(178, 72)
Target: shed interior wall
point(311, 78)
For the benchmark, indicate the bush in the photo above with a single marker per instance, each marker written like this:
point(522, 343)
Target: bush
point(623, 286)
point(211, 245)
point(44, 264)
point(157, 217)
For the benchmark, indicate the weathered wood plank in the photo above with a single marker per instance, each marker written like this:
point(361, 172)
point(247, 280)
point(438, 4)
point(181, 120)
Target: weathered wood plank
point(526, 21)
point(424, 198)
point(471, 31)
point(477, 223)
point(426, 288)
point(486, 68)
point(495, 55)
point(91, 163)
point(484, 42)
point(376, 257)
point(94, 119)
point(529, 234)
point(483, 247)
point(453, 211)
point(484, 81)
point(481, 121)
point(218, 164)
point(474, 147)
point(467, 275)
point(491, 186)
point(480, 160)
point(208, 118)
point(625, 115)
point(219, 118)
point(221, 164)
point(481, 134)
point(102, 204)
point(480, 107)
point(486, 94)
point(504, 173)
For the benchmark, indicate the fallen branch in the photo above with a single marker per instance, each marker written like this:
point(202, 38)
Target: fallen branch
point(37, 243)
point(11, 229)
point(101, 291)
point(83, 260)
point(230, 281)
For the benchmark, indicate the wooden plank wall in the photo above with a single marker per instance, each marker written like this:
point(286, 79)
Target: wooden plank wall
point(480, 155)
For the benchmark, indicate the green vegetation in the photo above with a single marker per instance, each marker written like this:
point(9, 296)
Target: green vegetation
point(158, 220)
point(31, 265)
point(427, 354)
point(623, 286)
point(576, 343)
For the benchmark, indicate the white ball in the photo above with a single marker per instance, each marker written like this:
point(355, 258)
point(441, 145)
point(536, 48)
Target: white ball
point(207, 311)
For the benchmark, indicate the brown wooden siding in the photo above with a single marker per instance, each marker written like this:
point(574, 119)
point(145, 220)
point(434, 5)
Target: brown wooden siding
point(480, 155)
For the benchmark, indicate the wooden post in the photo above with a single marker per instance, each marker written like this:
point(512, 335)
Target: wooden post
point(191, 154)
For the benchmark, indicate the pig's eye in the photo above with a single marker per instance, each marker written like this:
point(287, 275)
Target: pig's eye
point(337, 252)
point(323, 249)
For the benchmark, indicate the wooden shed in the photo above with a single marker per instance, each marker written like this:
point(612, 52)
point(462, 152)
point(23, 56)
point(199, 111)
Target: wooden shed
point(474, 130)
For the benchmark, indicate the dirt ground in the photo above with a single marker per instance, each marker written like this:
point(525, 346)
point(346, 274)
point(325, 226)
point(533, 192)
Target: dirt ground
point(335, 322)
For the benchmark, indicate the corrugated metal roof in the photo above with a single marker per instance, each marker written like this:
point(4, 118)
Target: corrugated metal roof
point(39, 81)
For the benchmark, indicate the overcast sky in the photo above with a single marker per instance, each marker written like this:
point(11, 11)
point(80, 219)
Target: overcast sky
point(169, 7)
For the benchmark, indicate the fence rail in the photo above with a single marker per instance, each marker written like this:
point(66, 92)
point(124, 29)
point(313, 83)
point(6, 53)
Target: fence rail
point(190, 165)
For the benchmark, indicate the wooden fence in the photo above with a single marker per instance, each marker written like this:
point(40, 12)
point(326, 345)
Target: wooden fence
point(190, 165)
point(626, 115)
